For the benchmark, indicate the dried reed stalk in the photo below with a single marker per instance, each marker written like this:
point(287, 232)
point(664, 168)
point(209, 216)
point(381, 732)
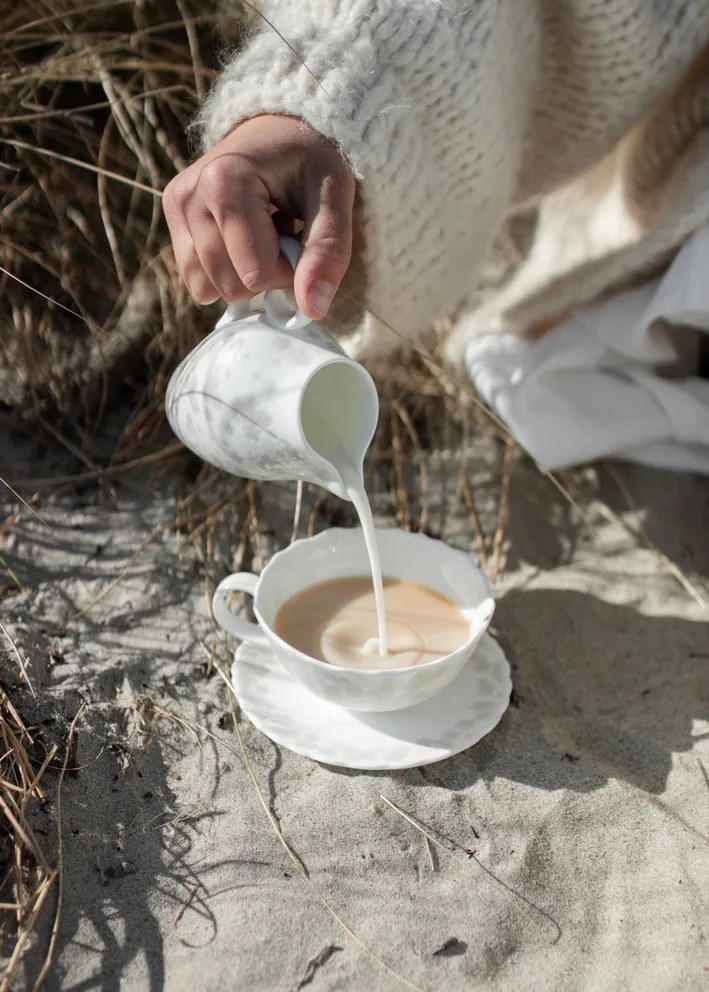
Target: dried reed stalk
point(26, 877)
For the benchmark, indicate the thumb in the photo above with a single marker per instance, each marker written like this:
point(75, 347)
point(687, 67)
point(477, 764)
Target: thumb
point(327, 245)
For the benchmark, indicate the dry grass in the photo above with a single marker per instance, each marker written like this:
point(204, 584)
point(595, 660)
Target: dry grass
point(27, 877)
point(94, 98)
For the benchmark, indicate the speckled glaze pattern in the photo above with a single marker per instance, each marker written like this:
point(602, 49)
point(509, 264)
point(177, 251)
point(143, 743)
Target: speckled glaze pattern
point(235, 400)
point(340, 552)
point(453, 720)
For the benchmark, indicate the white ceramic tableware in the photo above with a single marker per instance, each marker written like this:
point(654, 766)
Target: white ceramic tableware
point(338, 553)
point(253, 396)
point(454, 719)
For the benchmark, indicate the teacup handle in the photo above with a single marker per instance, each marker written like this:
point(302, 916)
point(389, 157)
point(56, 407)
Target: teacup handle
point(243, 629)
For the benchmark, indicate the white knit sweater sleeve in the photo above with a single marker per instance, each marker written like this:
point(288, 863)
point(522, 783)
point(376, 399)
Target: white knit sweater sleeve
point(449, 112)
point(338, 64)
point(434, 142)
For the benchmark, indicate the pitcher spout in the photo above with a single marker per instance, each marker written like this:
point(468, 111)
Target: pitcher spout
point(339, 409)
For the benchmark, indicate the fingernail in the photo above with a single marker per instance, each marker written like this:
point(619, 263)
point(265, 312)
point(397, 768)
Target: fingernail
point(321, 297)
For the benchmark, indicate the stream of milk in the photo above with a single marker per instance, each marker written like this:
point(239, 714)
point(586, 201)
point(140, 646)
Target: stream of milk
point(326, 411)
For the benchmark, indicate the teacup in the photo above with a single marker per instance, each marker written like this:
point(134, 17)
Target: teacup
point(340, 553)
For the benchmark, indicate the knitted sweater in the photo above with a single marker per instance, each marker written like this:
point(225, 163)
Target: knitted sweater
point(453, 114)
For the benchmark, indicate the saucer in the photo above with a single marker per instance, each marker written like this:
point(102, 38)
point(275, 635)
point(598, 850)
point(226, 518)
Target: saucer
point(459, 716)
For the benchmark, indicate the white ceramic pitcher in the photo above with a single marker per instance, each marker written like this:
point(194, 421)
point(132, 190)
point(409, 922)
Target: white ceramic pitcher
point(272, 396)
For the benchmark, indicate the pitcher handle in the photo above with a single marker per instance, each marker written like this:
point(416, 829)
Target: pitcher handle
point(234, 311)
point(275, 302)
point(245, 630)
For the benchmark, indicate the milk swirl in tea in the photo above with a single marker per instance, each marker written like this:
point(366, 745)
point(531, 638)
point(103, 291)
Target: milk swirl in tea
point(336, 622)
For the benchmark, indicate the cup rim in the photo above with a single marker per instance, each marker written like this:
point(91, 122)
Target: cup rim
point(375, 672)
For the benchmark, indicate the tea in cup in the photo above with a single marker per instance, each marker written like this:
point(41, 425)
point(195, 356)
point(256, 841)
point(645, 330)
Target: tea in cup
point(315, 610)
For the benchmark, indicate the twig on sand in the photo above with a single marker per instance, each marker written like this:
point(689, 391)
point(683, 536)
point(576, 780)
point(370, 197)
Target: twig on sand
point(108, 472)
point(209, 513)
point(300, 867)
point(119, 578)
point(60, 856)
point(147, 713)
point(704, 772)
point(400, 490)
point(318, 504)
point(457, 851)
point(640, 531)
point(23, 501)
point(254, 531)
point(405, 419)
point(297, 510)
point(12, 574)
point(503, 511)
point(469, 501)
point(37, 906)
point(429, 851)
point(315, 963)
point(185, 903)
point(20, 659)
point(31, 877)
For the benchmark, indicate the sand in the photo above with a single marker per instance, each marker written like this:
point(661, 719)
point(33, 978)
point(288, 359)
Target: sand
point(570, 844)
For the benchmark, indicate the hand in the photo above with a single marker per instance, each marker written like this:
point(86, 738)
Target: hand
point(220, 214)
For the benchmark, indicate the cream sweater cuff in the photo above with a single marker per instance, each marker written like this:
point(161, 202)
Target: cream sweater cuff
point(340, 82)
